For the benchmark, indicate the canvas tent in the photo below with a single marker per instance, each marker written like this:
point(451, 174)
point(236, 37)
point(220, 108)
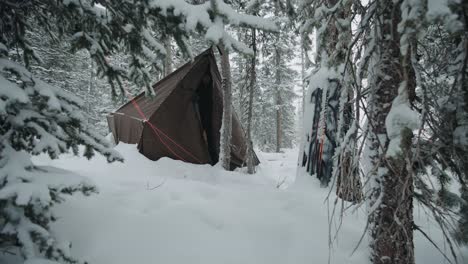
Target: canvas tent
point(183, 118)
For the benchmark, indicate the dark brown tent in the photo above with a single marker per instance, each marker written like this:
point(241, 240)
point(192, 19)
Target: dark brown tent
point(183, 118)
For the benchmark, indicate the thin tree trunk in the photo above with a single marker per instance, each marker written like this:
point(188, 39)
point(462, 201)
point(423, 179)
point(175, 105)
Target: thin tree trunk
point(242, 87)
point(92, 81)
point(391, 220)
point(253, 77)
point(348, 182)
point(303, 83)
point(225, 147)
point(301, 155)
point(462, 121)
point(279, 131)
point(168, 59)
point(278, 118)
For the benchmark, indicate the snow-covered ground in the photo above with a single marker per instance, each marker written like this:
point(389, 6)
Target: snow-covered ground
point(171, 212)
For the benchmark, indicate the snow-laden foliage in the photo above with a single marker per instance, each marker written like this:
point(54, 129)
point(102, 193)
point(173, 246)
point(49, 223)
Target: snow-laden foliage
point(435, 41)
point(273, 120)
point(75, 72)
point(402, 68)
point(104, 27)
point(268, 110)
point(126, 41)
point(329, 135)
point(275, 100)
point(38, 118)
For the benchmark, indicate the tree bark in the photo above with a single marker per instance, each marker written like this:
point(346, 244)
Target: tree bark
point(168, 58)
point(252, 81)
point(303, 83)
point(92, 80)
point(225, 155)
point(278, 103)
point(348, 182)
point(391, 220)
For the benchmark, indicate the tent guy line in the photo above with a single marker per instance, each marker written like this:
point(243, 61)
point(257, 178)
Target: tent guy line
point(156, 130)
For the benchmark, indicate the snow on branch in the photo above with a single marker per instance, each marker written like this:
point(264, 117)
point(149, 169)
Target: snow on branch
point(137, 27)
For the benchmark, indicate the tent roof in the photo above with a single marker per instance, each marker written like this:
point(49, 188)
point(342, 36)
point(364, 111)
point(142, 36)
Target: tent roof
point(162, 89)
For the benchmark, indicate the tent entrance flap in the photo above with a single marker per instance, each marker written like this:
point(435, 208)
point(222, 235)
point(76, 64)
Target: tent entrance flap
point(203, 103)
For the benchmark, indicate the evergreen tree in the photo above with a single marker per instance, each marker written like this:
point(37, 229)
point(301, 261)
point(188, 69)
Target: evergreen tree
point(75, 72)
point(252, 86)
point(277, 81)
point(37, 118)
point(226, 128)
point(436, 44)
point(391, 219)
point(329, 103)
point(409, 109)
point(265, 93)
point(274, 98)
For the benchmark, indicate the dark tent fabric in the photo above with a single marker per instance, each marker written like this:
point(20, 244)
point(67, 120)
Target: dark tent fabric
point(184, 117)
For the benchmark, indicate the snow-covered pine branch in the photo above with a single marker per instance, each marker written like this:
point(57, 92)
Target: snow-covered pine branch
point(406, 63)
point(102, 29)
point(37, 118)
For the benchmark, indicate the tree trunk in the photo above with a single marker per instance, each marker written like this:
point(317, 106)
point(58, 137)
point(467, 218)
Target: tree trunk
point(242, 87)
point(333, 111)
point(253, 76)
point(303, 101)
point(348, 182)
point(226, 130)
point(391, 200)
point(461, 149)
point(279, 130)
point(92, 80)
point(278, 122)
point(303, 83)
point(168, 58)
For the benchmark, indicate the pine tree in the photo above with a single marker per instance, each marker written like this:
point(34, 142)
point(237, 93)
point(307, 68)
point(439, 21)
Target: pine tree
point(331, 93)
point(226, 128)
point(267, 101)
point(37, 118)
point(252, 85)
point(405, 63)
point(265, 91)
point(75, 72)
point(437, 49)
point(391, 219)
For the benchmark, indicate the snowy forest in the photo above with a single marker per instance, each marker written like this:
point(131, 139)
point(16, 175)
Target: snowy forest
point(234, 131)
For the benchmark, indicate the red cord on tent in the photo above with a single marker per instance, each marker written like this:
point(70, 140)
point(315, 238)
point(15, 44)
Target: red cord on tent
point(137, 107)
point(157, 131)
point(175, 143)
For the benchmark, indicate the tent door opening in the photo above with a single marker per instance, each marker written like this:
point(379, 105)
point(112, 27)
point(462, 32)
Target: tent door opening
point(203, 104)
